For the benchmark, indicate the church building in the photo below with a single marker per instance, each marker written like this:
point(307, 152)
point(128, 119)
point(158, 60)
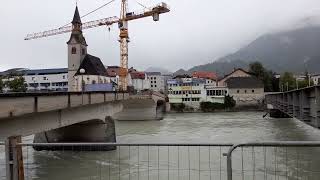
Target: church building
point(83, 68)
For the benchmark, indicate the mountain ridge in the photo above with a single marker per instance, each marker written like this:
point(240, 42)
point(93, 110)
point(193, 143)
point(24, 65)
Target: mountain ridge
point(294, 50)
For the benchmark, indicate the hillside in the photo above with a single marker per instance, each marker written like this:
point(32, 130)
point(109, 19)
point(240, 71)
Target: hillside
point(286, 51)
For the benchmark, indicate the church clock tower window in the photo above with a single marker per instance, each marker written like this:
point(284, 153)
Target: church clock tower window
point(73, 50)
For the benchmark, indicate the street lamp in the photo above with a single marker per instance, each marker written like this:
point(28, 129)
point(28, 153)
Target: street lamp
point(82, 71)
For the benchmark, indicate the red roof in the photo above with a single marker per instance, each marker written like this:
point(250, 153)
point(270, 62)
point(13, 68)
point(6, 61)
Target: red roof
point(138, 75)
point(113, 71)
point(205, 75)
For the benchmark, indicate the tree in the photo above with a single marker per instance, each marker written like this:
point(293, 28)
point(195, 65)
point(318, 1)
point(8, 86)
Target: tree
point(264, 75)
point(17, 84)
point(287, 81)
point(257, 69)
point(1, 85)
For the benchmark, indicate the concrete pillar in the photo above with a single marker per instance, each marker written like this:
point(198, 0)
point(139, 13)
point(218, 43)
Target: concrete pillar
point(317, 106)
point(290, 103)
point(14, 159)
point(295, 102)
point(92, 131)
point(304, 106)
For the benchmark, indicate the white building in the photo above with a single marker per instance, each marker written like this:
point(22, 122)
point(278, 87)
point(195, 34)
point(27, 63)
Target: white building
point(157, 81)
point(192, 91)
point(46, 79)
point(316, 79)
point(139, 81)
point(40, 79)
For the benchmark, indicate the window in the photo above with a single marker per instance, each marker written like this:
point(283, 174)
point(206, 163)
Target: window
point(93, 82)
point(245, 91)
point(155, 78)
point(63, 77)
point(238, 91)
point(151, 85)
point(155, 85)
point(83, 51)
point(73, 50)
point(44, 78)
point(155, 82)
point(252, 91)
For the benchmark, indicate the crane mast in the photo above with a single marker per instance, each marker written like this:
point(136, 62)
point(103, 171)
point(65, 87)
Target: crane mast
point(124, 40)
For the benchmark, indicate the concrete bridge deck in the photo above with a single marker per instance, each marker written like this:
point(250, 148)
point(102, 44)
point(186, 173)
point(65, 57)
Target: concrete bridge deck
point(24, 114)
point(303, 104)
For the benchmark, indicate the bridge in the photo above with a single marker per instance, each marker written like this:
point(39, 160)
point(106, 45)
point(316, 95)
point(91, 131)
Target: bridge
point(303, 104)
point(74, 116)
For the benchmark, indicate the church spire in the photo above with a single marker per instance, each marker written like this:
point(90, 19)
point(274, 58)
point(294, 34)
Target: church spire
point(76, 33)
point(76, 17)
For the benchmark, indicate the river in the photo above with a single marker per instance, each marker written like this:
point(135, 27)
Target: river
point(184, 162)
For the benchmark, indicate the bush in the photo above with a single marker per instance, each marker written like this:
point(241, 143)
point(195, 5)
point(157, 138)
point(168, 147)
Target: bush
point(210, 107)
point(229, 102)
point(178, 107)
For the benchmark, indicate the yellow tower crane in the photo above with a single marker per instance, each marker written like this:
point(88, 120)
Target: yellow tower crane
point(125, 16)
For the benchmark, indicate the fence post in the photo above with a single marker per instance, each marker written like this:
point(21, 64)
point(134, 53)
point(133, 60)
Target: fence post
point(14, 159)
point(229, 166)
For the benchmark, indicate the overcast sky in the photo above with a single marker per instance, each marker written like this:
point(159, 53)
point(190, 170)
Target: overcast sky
point(193, 33)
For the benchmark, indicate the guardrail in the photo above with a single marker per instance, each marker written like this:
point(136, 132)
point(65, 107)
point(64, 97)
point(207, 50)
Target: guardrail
point(156, 161)
point(279, 160)
point(128, 161)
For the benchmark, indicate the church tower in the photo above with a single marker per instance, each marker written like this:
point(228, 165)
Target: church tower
point(77, 50)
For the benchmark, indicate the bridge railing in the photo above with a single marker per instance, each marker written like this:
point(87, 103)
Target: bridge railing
point(262, 161)
point(17, 104)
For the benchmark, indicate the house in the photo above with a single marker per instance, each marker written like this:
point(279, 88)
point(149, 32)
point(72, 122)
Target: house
point(40, 79)
point(246, 91)
point(157, 81)
point(46, 79)
point(193, 91)
point(235, 73)
point(205, 75)
point(139, 81)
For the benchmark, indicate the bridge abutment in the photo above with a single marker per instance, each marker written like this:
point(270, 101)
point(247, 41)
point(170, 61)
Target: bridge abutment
point(141, 110)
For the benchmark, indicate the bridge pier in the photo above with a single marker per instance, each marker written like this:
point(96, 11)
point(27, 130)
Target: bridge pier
point(92, 131)
point(317, 102)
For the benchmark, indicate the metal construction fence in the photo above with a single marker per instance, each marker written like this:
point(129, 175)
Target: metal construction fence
point(262, 161)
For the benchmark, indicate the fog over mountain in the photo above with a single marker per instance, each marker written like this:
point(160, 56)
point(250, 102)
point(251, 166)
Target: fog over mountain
point(293, 50)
